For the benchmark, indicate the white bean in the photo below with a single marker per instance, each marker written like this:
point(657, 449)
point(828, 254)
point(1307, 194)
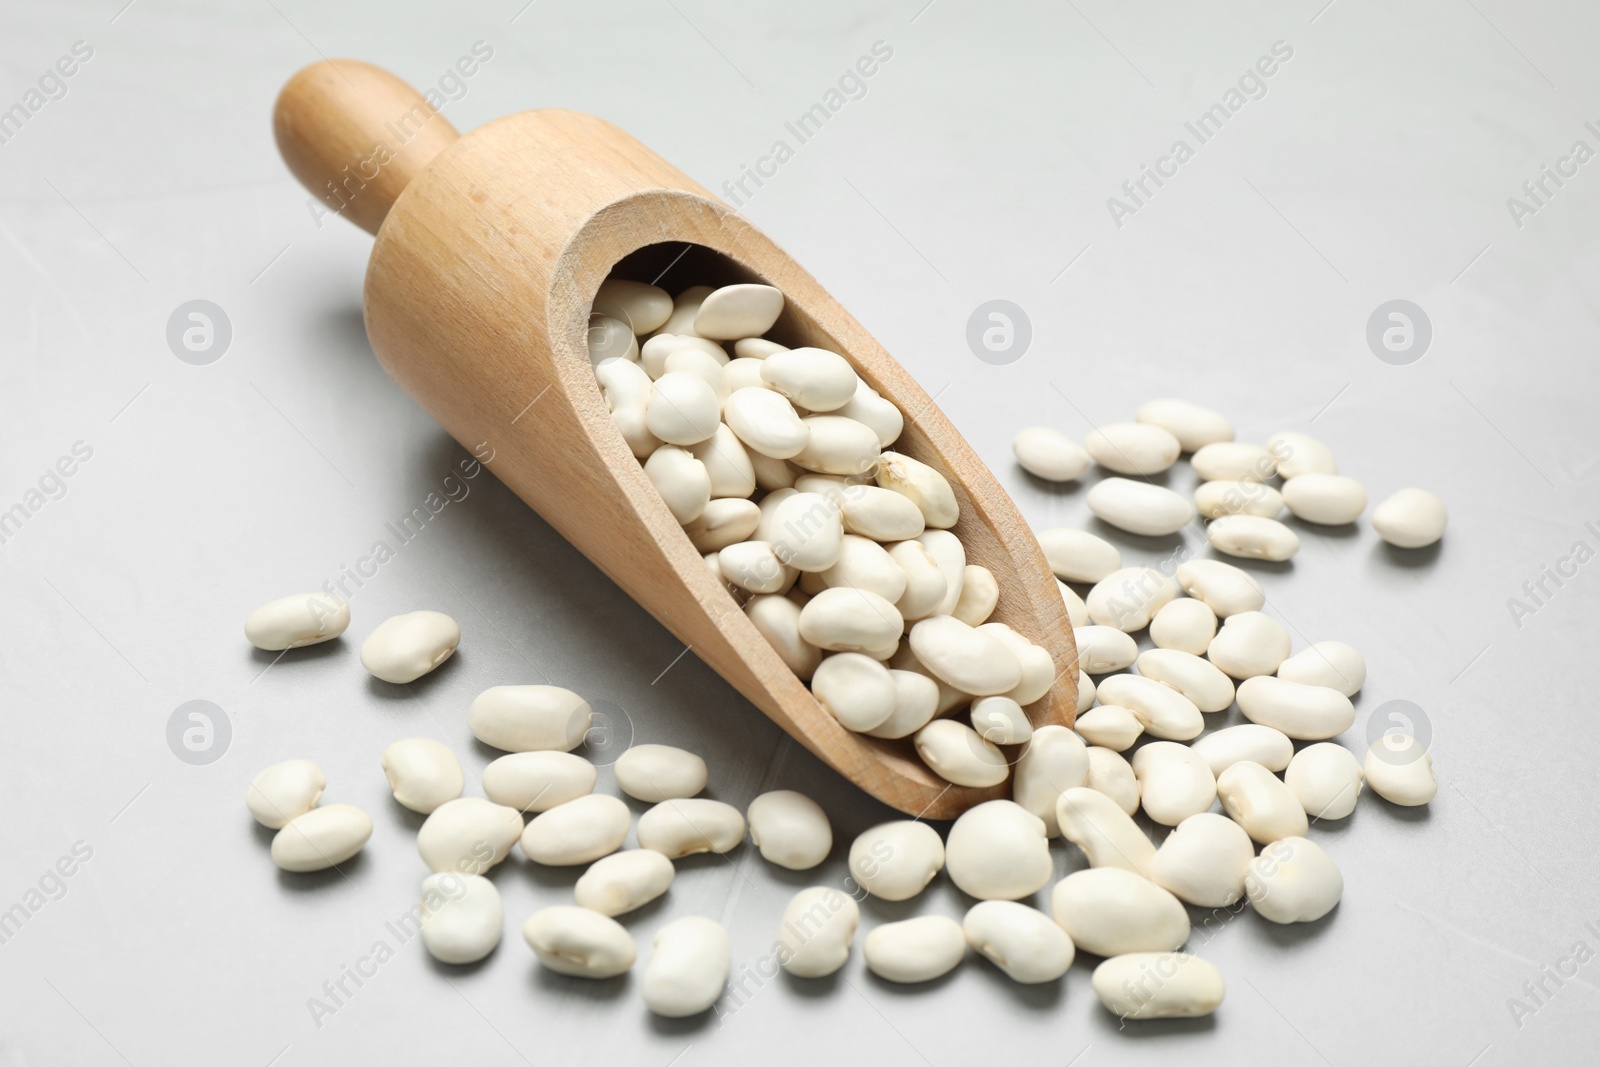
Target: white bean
point(530, 718)
point(925, 582)
point(711, 369)
point(623, 881)
point(681, 479)
point(283, 791)
point(1330, 663)
point(790, 829)
point(814, 378)
point(916, 702)
point(927, 488)
point(866, 406)
point(1253, 537)
point(1078, 555)
point(951, 557)
point(865, 564)
point(1326, 779)
point(880, 514)
point(578, 942)
point(653, 773)
point(461, 916)
point(1132, 448)
point(1249, 645)
point(1194, 426)
point(754, 567)
point(736, 311)
point(1022, 941)
point(1294, 881)
point(1304, 712)
point(1184, 625)
point(577, 832)
point(1234, 461)
point(1110, 911)
point(1103, 649)
point(321, 838)
point(1105, 832)
point(405, 647)
point(653, 354)
point(806, 530)
point(837, 445)
point(1158, 985)
point(688, 966)
point(627, 392)
point(1110, 726)
point(1411, 518)
point(756, 348)
point(855, 689)
point(979, 595)
point(610, 338)
point(679, 828)
point(1329, 499)
point(727, 464)
point(1000, 720)
point(1055, 761)
point(743, 373)
point(297, 621)
point(815, 934)
point(965, 657)
point(643, 307)
point(1174, 783)
point(1300, 453)
point(998, 850)
point(685, 306)
point(422, 773)
point(1129, 598)
point(777, 618)
point(1139, 507)
point(955, 752)
point(468, 835)
point(1216, 499)
point(1110, 775)
point(914, 950)
point(1086, 693)
point(1257, 800)
point(765, 421)
point(1038, 669)
point(1164, 712)
point(1248, 741)
point(852, 620)
point(896, 860)
point(1077, 610)
point(1049, 454)
point(683, 409)
point(773, 473)
point(1222, 587)
point(724, 521)
point(1204, 861)
point(1400, 770)
point(537, 781)
point(1199, 680)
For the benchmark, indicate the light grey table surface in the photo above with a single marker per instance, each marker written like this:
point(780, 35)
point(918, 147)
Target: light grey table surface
point(976, 163)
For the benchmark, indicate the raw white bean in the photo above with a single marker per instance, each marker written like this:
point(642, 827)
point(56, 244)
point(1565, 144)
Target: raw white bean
point(855, 689)
point(578, 942)
point(851, 620)
point(754, 567)
point(284, 791)
point(814, 937)
point(688, 966)
point(955, 752)
point(979, 595)
point(1038, 669)
point(679, 828)
point(1078, 555)
point(1077, 610)
point(321, 838)
point(1105, 832)
point(777, 618)
point(927, 488)
point(1158, 985)
point(1164, 712)
point(1128, 598)
point(422, 773)
point(405, 647)
point(654, 352)
point(806, 530)
point(530, 718)
point(1248, 741)
point(1249, 645)
point(577, 832)
point(743, 373)
point(790, 829)
point(1400, 770)
point(1022, 941)
point(1110, 775)
point(461, 917)
point(1252, 537)
point(1411, 518)
point(537, 781)
point(1086, 693)
point(297, 621)
point(1206, 686)
point(610, 338)
point(866, 406)
point(951, 556)
point(1234, 461)
point(724, 521)
point(1204, 861)
point(1222, 587)
point(837, 445)
point(727, 464)
point(880, 514)
point(1194, 426)
point(617, 884)
point(682, 410)
point(736, 311)
point(1300, 453)
point(1294, 881)
point(1326, 779)
point(1132, 448)
point(627, 390)
point(1055, 761)
point(916, 703)
point(703, 365)
point(682, 481)
point(1110, 911)
point(1174, 783)
point(685, 306)
point(1184, 625)
point(813, 378)
point(1139, 507)
point(925, 582)
point(1216, 499)
point(998, 850)
point(645, 308)
point(757, 348)
point(865, 564)
point(1110, 726)
point(896, 860)
point(1049, 454)
point(1103, 649)
point(914, 950)
point(1329, 499)
point(1330, 663)
point(766, 422)
point(1257, 800)
point(1000, 720)
point(1304, 712)
point(653, 773)
point(966, 657)
point(468, 835)
point(773, 473)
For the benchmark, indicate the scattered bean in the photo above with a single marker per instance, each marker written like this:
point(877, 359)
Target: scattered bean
point(297, 621)
point(461, 915)
point(578, 942)
point(653, 773)
point(688, 966)
point(1050, 455)
point(1022, 941)
point(1293, 881)
point(623, 881)
point(405, 647)
point(284, 791)
point(1158, 985)
point(790, 829)
point(321, 838)
point(914, 950)
point(998, 850)
point(530, 718)
point(679, 828)
point(1411, 518)
point(1110, 911)
point(422, 773)
point(896, 860)
point(1326, 779)
point(815, 934)
point(1204, 861)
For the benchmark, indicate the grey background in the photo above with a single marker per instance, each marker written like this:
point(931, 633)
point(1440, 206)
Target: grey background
point(976, 167)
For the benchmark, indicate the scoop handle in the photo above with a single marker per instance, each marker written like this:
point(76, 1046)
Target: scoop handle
point(355, 135)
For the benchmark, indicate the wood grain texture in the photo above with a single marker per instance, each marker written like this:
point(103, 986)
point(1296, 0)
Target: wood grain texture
point(477, 301)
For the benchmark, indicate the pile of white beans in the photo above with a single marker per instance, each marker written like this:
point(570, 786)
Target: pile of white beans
point(774, 461)
point(808, 554)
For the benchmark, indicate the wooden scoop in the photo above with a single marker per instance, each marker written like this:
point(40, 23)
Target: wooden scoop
point(489, 251)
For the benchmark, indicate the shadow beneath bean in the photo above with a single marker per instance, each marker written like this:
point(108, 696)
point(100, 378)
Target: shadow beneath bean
point(547, 981)
point(1288, 935)
point(413, 820)
point(401, 691)
point(1161, 546)
point(556, 877)
point(646, 911)
point(308, 654)
point(1038, 996)
point(264, 834)
point(458, 970)
point(1262, 566)
point(814, 987)
point(1152, 1029)
point(1405, 812)
point(912, 989)
point(1045, 485)
point(1425, 556)
point(1341, 531)
point(319, 881)
point(682, 1027)
point(888, 911)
